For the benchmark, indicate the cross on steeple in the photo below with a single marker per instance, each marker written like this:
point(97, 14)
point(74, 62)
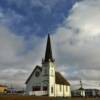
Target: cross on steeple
point(48, 52)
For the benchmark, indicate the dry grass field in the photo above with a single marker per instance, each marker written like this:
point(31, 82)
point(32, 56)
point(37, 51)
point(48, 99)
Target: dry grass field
point(41, 98)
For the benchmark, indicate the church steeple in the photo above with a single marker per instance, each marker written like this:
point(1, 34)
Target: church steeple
point(48, 52)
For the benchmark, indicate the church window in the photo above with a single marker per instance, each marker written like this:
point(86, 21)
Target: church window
point(37, 74)
point(60, 88)
point(36, 88)
point(51, 72)
point(45, 88)
point(66, 88)
point(51, 89)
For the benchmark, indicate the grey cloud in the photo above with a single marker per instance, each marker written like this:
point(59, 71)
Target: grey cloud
point(16, 61)
point(77, 42)
point(75, 54)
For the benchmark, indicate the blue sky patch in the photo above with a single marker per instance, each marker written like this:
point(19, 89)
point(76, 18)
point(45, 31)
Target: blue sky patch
point(39, 17)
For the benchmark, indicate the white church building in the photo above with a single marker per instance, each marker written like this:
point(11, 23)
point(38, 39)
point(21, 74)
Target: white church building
point(45, 80)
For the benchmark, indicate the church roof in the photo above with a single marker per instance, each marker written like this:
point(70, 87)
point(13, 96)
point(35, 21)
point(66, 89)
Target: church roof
point(33, 73)
point(48, 52)
point(60, 79)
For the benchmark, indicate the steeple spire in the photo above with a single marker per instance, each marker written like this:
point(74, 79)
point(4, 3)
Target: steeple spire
point(48, 53)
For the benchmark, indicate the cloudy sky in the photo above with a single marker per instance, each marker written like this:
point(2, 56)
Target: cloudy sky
point(74, 26)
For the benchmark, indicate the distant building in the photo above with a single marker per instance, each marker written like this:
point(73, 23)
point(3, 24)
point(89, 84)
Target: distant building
point(82, 92)
point(92, 92)
point(86, 92)
point(44, 80)
point(79, 92)
point(81, 89)
point(3, 89)
point(11, 90)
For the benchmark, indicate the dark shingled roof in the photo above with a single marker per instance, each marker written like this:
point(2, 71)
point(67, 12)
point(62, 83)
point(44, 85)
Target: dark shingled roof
point(60, 79)
point(33, 73)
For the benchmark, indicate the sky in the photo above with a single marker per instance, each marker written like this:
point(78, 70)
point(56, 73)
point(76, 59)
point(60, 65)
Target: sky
point(75, 35)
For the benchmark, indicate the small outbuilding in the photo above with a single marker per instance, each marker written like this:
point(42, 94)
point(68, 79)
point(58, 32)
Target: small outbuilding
point(3, 89)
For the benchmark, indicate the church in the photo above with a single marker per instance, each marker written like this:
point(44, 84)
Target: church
point(45, 80)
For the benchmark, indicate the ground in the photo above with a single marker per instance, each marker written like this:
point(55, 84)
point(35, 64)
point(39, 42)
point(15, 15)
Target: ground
point(41, 98)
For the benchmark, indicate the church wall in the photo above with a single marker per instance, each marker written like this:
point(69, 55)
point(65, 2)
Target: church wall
point(51, 79)
point(34, 81)
point(59, 90)
point(45, 72)
point(62, 91)
point(67, 91)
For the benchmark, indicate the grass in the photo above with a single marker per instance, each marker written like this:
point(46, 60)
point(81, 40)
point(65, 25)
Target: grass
point(41, 98)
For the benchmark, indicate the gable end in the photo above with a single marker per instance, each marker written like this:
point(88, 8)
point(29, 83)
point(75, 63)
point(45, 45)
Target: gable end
point(37, 67)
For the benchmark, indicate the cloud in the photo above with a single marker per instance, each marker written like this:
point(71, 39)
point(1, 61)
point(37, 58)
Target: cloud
point(9, 44)
point(84, 18)
point(77, 42)
point(18, 57)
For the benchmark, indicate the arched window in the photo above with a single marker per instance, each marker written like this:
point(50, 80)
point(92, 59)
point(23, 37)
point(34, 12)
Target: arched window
point(66, 88)
point(60, 88)
point(51, 89)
